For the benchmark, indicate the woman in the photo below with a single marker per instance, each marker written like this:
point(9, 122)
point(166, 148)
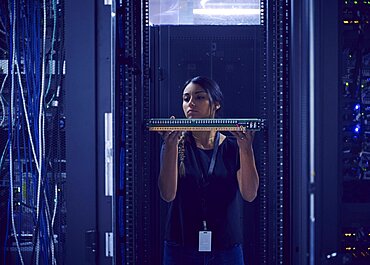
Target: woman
point(202, 175)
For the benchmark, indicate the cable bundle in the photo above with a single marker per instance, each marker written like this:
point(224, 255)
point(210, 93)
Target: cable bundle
point(31, 162)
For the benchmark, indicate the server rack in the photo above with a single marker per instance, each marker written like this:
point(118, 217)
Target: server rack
point(32, 128)
point(231, 55)
point(353, 231)
point(134, 188)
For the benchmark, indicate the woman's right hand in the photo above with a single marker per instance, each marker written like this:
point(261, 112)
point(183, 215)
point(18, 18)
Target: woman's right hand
point(171, 138)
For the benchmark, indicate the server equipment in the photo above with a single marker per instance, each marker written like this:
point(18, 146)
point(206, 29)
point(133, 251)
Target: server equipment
point(354, 127)
point(32, 133)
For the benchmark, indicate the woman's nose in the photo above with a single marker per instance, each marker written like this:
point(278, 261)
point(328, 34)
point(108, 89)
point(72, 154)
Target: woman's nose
point(191, 102)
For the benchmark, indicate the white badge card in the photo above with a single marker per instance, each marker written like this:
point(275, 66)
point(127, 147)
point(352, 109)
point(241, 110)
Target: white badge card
point(205, 238)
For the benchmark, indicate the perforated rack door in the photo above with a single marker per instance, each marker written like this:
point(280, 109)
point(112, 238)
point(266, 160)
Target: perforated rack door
point(275, 177)
point(131, 108)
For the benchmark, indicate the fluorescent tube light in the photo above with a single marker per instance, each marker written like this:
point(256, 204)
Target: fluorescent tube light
point(226, 11)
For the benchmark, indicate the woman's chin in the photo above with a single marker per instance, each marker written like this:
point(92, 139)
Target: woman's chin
point(195, 116)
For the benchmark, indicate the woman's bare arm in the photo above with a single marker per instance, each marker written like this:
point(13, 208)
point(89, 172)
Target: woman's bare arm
point(247, 175)
point(167, 181)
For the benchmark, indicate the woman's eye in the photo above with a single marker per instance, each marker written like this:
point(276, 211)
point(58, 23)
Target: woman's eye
point(186, 99)
point(201, 97)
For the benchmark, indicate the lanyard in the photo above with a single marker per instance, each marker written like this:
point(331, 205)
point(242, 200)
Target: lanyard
point(213, 158)
point(209, 173)
point(214, 154)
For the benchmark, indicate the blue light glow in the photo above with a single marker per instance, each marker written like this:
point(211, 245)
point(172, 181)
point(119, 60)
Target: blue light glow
point(357, 106)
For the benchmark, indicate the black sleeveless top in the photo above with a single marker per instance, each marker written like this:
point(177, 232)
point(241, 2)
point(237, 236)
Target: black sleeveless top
point(221, 196)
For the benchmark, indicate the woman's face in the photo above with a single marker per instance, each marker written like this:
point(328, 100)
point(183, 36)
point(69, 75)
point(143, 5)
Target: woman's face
point(196, 102)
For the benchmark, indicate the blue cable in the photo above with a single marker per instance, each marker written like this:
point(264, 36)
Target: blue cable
point(45, 237)
point(45, 242)
point(35, 38)
point(41, 230)
point(32, 55)
point(33, 95)
point(7, 231)
point(32, 50)
point(38, 71)
point(11, 70)
point(28, 27)
point(52, 46)
point(33, 101)
point(27, 185)
point(26, 54)
point(10, 128)
point(23, 32)
point(17, 136)
point(18, 108)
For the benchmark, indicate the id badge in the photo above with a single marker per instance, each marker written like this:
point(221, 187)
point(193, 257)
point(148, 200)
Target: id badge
point(205, 238)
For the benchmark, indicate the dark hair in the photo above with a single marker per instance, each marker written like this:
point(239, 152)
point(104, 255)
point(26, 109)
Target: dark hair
point(215, 95)
point(211, 87)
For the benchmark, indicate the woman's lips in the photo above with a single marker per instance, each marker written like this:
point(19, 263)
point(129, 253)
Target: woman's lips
point(191, 113)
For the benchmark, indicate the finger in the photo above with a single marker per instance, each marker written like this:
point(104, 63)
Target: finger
point(236, 133)
point(250, 134)
point(239, 135)
point(171, 135)
point(164, 135)
point(176, 134)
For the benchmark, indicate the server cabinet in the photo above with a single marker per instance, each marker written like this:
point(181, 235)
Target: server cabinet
point(136, 217)
point(32, 133)
point(233, 57)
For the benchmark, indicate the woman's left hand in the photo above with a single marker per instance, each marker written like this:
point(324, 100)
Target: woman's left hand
point(244, 138)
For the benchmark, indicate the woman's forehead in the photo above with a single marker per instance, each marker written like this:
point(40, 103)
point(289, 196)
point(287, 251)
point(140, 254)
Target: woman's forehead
point(192, 88)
